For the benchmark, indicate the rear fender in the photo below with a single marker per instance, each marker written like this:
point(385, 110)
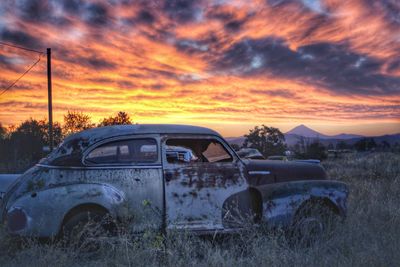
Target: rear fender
point(45, 210)
point(281, 201)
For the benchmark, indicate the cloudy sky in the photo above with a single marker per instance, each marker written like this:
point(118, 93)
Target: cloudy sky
point(333, 65)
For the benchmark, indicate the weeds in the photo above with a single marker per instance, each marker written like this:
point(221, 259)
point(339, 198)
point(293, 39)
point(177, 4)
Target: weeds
point(370, 235)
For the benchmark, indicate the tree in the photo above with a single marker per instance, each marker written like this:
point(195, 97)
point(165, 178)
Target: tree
point(268, 140)
point(76, 121)
point(365, 144)
point(342, 145)
point(396, 147)
point(316, 150)
point(26, 144)
point(57, 132)
point(122, 118)
point(22, 146)
point(385, 145)
point(330, 146)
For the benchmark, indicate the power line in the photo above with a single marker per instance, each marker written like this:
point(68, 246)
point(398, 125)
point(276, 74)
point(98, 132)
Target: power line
point(20, 47)
point(23, 74)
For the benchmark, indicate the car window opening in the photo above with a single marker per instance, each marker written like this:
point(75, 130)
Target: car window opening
point(124, 152)
point(196, 150)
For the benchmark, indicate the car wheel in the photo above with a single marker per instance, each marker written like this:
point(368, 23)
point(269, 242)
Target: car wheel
point(313, 222)
point(87, 230)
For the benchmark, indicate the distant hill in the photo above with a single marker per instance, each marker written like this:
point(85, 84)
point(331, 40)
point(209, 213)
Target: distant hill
point(304, 131)
point(297, 133)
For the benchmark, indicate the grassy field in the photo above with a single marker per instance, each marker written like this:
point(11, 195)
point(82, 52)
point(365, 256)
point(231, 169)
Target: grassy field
point(370, 236)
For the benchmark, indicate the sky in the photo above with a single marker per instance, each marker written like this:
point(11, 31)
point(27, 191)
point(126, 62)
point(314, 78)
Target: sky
point(333, 65)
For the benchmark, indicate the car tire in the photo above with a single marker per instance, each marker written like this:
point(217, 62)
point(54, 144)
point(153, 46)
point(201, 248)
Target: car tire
point(314, 222)
point(87, 230)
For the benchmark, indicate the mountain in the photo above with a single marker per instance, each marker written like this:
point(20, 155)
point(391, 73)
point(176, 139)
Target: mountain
point(304, 131)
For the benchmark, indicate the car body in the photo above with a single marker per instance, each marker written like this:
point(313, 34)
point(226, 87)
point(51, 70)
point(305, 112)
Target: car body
point(169, 177)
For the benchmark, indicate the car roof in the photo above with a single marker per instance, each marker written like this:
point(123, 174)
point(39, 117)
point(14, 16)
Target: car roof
point(120, 130)
point(71, 150)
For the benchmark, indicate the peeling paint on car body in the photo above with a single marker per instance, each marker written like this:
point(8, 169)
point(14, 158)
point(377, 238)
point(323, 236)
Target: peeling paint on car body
point(201, 197)
point(195, 193)
point(282, 200)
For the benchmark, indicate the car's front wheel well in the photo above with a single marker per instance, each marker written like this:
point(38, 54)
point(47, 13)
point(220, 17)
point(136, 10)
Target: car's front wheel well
point(87, 207)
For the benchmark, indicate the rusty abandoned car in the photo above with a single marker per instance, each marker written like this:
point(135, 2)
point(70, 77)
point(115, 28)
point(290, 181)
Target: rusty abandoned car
point(167, 177)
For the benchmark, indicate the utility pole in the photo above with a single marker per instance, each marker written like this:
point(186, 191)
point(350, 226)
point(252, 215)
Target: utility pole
point(50, 103)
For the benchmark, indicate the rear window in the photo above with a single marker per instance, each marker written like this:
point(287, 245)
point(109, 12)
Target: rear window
point(124, 152)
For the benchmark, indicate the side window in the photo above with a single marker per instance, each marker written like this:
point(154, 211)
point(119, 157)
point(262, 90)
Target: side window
point(196, 150)
point(124, 152)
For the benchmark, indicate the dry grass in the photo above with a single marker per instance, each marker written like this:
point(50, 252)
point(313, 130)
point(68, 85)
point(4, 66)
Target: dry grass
point(370, 235)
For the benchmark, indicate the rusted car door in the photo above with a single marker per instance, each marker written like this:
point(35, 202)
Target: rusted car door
point(132, 165)
point(201, 173)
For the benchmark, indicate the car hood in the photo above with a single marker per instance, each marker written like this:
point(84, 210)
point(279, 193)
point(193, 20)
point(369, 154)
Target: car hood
point(271, 171)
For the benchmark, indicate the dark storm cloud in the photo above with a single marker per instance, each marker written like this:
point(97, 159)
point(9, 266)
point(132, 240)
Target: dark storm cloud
point(73, 6)
point(182, 10)
point(394, 66)
point(34, 10)
point(216, 13)
point(249, 56)
point(97, 14)
point(38, 11)
point(389, 8)
point(97, 63)
point(231, 23)
point(93, 61)
point(20, 38)
point(331, 65)
point(145, 17)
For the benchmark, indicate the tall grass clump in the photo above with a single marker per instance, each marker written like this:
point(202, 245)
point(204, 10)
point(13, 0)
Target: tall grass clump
point(369, 237)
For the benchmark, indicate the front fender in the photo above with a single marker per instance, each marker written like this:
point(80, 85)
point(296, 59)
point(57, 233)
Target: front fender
point(280, 201)
point(41, 213)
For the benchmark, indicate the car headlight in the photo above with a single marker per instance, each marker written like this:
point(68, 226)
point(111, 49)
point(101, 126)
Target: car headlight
point(16, 219)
